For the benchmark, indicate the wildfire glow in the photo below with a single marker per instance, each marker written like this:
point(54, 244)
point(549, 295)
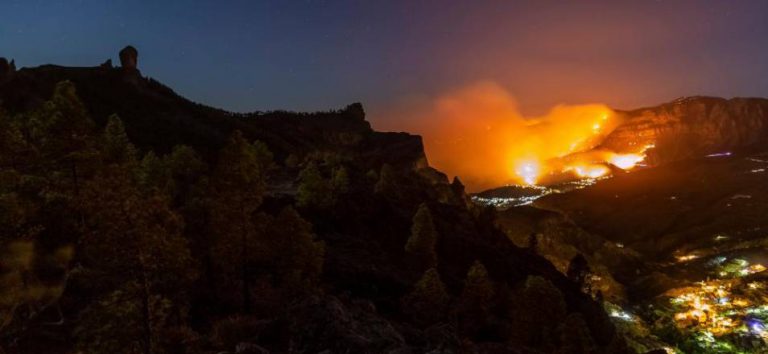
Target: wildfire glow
point(626, 161)
point(591, 171)
point(478, 133)
point(529, 171)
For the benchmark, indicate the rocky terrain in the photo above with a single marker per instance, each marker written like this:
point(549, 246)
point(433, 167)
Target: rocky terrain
point(692, 127)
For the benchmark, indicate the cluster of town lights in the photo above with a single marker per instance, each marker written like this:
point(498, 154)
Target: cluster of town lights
point(717, 311)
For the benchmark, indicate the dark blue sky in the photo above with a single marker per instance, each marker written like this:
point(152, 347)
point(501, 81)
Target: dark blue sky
point(308, 55)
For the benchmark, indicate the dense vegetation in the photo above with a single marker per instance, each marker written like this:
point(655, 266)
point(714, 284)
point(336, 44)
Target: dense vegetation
point(112, 248)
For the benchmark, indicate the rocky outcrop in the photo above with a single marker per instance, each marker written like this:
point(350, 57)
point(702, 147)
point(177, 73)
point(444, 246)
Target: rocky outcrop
point(129, 58)
point(693, 127)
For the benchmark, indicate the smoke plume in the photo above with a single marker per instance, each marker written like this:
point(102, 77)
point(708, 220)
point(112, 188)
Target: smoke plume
point(478, 133)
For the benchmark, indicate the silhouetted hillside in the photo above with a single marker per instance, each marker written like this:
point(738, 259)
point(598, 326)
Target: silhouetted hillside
point(158, 118)
point(275, 232)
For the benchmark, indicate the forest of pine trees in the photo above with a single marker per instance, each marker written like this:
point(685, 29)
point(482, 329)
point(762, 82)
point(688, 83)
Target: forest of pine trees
point(110, 248)
point(68, 184)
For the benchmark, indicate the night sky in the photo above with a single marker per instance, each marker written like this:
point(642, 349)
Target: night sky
point(310, 55)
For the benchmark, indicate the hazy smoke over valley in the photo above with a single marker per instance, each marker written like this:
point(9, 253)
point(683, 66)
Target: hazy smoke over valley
point(478, 133)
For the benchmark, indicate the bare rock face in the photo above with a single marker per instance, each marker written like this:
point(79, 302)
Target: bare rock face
point(129, 58)
point(693, 127)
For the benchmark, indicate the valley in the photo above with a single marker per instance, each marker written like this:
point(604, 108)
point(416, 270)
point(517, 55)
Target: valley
point(679, 248)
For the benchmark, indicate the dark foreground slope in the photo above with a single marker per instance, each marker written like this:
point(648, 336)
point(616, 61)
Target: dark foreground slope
point(114, 249)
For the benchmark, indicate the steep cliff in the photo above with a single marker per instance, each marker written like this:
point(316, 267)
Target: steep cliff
point(693, 127)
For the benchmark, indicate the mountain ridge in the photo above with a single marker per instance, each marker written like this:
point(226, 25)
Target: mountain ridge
point(157, 117)
point(692, 127)
point(687, 127)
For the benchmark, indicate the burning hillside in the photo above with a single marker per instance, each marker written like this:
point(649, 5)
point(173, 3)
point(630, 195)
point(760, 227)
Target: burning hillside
point(478, 133)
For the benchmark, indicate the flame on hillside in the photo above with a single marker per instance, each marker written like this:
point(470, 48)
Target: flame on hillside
point(478, 133)
point(626, 161)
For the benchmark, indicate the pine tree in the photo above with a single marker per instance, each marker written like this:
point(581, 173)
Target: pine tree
point(387, 184)
point(428, 301)
point(340, 181)
point(61, 135)
point(238, 187)
point(155, 175)
point(14, 149)
point(61, 127)
point(423, 238)
point(575, 337)
point(112, 323)
point(188, 174)
point(117, 322)
point(314, 191)
point(476, 298)
point(535, 313)
point(135, 238)
point(116, 147)
point(298, 256)
point(478, 288)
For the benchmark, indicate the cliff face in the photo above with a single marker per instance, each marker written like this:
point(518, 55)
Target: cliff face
point(693, 127)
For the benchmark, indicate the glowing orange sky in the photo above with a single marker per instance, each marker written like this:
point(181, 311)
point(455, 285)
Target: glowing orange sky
point(477, 132)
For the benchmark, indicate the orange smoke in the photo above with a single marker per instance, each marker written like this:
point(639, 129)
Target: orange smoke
point(478, 133)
